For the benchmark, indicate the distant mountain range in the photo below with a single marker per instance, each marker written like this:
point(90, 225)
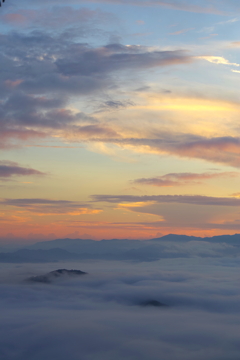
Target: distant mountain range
point(169, 246)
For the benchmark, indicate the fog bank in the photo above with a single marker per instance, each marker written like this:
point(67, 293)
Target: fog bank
point(99, 317)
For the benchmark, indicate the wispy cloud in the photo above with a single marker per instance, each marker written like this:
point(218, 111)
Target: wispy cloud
point(181, 179)
point(117, 57)
point(231, 21)
point(50, 207)
point(179, 32)
point(235, 44)
point(181, 199)
point(219, 60)
point(223, 150)
point(57, 18)
point(236, 194)
point(196, 6)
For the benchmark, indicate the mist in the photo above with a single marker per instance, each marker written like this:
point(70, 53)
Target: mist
point(99, 316)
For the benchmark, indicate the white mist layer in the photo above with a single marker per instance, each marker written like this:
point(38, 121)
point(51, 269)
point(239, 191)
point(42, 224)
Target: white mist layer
point(98, 316)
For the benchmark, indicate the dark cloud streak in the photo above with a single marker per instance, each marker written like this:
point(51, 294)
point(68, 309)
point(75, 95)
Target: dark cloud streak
point(181, 179)
point(9, 169)
point(223, 150)
point(50, 206)
point(87, 61)
point(181, 199)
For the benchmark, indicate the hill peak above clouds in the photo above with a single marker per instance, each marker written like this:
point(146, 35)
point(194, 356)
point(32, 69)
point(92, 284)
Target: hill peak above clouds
point(56, 274)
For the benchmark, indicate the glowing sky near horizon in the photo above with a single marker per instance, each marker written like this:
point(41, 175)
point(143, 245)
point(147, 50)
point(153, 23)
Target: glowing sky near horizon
point(119, 119)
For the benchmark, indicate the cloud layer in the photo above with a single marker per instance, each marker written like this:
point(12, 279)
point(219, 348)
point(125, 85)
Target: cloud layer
point(98, 316)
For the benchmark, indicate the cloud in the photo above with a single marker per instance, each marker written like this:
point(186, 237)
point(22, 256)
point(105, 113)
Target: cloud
point(50, 207)
point(217, 60)
point(208, 37)
point(235, 44)
point(94, 131)
point(10, 135)
point(170, 225)
point(29, 63)
point(236, 194)
point(39, 112)
point(179, 32)
point(140, 22)
point(231, 21)
point(223, 150)
point(181, 179)
point(115, 57)
point(99, 314)
point(57, 17)
point(9, 169)
point(42, 72)
point(115, 104)
point(180, 199)
point(13, 84)
point(197, 6)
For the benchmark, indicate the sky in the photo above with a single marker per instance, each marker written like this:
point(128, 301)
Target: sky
point(119, 119)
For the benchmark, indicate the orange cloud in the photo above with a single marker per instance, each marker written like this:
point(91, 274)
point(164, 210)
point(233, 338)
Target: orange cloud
point(237, 195)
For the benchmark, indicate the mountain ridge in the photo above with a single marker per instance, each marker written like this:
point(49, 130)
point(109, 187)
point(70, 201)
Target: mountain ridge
point(169, 246)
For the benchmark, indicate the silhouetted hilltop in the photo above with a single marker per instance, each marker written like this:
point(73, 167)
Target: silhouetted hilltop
point(153, 303)
point(56, 274)
point(175, 237)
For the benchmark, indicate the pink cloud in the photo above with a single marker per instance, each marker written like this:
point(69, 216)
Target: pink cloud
point(13, 137)
point(15, 18)
point(13, 84)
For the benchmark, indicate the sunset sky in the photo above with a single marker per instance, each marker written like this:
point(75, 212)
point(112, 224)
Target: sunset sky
point(119, 119)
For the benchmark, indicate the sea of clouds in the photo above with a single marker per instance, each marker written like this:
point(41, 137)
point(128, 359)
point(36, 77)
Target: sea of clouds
point(98, 316)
